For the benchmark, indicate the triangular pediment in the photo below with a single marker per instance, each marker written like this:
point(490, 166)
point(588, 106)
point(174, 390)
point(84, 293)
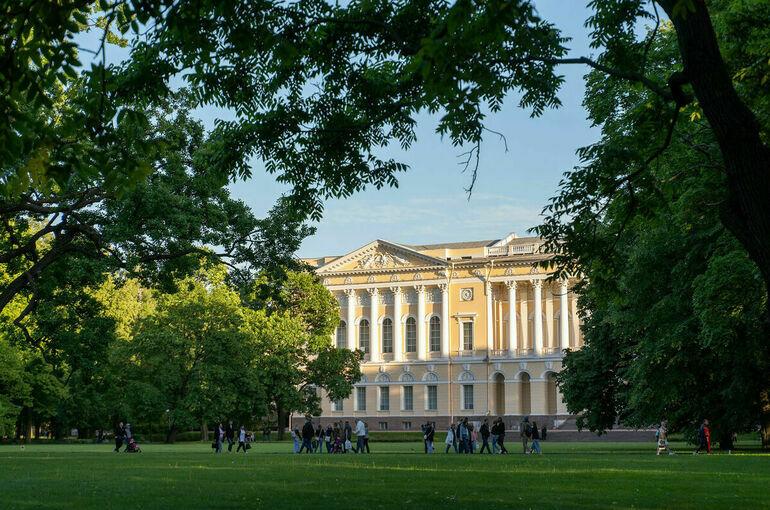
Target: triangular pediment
point(380, 255)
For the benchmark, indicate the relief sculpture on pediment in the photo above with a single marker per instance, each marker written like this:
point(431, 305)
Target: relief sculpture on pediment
point(381, 260)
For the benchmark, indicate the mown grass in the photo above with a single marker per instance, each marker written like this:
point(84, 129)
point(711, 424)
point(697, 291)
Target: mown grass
point(397, 475)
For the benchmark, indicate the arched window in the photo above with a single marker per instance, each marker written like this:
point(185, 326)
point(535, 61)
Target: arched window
point(363, 335)
point(387, 336)
point(406, 377)
point(382, 377)
point(342, 334)
point(434, 333)
point(467, 376)
point(430, 377)
point(411, 335)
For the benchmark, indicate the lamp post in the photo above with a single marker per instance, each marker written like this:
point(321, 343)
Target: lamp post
point(168, 416)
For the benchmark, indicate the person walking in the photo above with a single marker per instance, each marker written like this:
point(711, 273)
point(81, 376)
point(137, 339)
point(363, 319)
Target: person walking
point(525, 431)
point(485, 436)
point(474, 438)
point(360, 432)
point(307, 436)
point(501, 434)
point(429, 432)
point(220, 437)
point(348, 435)
point(366, 437)
point(319, 436)
point(118, 437)
point(704, 438)
point(230, 436)
point(241, 440)
point(494, 431)
point(535, 439)
point(328, 438)
point(662, 434)
point(450, 439)
point(295, 436)
point(544, 433)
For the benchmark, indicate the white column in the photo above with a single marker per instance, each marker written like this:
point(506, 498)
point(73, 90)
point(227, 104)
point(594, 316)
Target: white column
point(444, 320)
point(575, 323)
point(374, 329)
point(351, 296)
point(512, 340)
point(538, 317)
point(548, 339)
point(490, 321)
point(421, 348)
point(564, 313)
point(398, 346)
point(524, 342)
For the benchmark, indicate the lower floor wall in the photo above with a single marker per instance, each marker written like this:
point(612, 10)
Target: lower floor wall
point(406, 395)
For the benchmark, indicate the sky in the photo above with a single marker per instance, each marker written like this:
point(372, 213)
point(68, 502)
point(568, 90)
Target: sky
point(430, 204)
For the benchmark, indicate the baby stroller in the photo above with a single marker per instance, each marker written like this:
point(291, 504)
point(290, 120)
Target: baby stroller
point(337, 446)
point(131, 446)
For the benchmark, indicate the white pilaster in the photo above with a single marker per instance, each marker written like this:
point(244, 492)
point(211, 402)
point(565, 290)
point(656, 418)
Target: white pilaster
point(490, 320)
point(512, 330)
point(374, 330)
point(564, 313)
point(444, 320)
point(421, 347)
point(538, 317)
point(398, 346)
point(350, 294)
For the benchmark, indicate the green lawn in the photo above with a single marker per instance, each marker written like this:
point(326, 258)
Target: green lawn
point(189, 476)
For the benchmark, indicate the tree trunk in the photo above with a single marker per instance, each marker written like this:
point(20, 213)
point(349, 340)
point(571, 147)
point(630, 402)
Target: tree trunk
point(204, 432)
point(764, 418)
point(171, 435)
point(282, 420)
point(746, 213)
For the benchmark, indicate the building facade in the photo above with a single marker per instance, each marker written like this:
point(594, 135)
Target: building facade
point(468, 329)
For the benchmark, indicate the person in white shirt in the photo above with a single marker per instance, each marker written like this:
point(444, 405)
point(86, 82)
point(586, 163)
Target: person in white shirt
point(241, 440)
point(360, 432)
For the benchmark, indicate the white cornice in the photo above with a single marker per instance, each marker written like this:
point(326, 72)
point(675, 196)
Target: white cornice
point(336, 264)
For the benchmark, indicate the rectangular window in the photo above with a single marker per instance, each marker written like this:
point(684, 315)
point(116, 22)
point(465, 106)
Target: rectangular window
point(342, 334)
point(361, 398)
point(407, 425)
point(432, 398)
point(435, 334)
point(337, 405)
point(387, 336)
point(383, 425)
point(363, 336)
point(411, 335)
point(408, 398)
point(468, 336)
point(384, 398)
point(467, 396)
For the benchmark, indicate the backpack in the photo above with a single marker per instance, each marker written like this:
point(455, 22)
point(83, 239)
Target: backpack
point(528, 429)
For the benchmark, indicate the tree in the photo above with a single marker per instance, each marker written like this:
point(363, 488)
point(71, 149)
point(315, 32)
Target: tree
point(193, 357)
point(298, 358)
point(673, 301)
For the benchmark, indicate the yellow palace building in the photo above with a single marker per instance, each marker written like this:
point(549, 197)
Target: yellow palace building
point(451, 330)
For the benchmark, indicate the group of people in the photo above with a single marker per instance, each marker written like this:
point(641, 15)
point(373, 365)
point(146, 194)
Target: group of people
point(464, 437)
point(704, 438)
point(123, 436)
point(337, 438)
point(229, 433)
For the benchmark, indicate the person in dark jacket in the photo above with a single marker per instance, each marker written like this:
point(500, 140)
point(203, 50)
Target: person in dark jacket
point(429, 433)
point(500, 431)
point(307, 436)
point(348, 435)
point(535, 439)
point(704, 438)
point(230, 435)
point(484, 430)
point(118, 437)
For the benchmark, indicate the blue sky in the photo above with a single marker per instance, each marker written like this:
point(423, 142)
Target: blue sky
point(430, 204)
